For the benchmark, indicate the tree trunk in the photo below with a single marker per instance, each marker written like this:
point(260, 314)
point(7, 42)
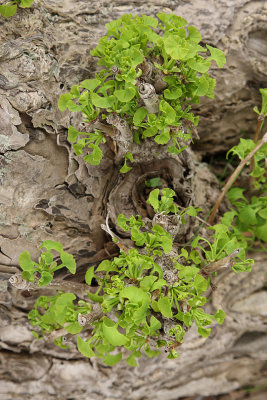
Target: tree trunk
point(46, 192)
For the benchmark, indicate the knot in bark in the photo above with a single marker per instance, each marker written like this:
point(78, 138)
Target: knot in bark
point(18, 282)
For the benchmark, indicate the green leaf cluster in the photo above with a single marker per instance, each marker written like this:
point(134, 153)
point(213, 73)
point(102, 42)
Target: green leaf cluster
point(225, 239)
point(133, 288)
point(51, 313)
point(258, 173)
point(154, 241)
point(148, 284)
point(9, 9)
point(90, 141)
point(249, 216)
point(172, 49)
point(162, 201)
point(44, 270)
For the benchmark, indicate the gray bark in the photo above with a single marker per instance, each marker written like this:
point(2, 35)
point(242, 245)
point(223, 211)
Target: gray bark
point(46, 192)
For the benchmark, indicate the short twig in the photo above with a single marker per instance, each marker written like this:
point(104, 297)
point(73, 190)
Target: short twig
point(18, 282)
point(116, 239)
point(234, 176)
point(223, 263)
point(86, 320)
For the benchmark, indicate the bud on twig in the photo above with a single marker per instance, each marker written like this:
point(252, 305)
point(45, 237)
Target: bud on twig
point(95, 314)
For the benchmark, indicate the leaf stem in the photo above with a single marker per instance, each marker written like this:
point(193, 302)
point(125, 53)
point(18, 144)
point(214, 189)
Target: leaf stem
point(234, 176)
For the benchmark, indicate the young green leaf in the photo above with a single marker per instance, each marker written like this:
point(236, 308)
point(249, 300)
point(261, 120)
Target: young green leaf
point(112, 334)
point(153, 199)
point(188, 273)
point(95, 157)
point(73, 328)
point(107, 266)
point(131, 360)
point(111, 359)
point(8, 10)
point(194, 34)
point(85, 347)
point(89, 275)
point(125, 95)
point(28, 276)
point(147, 282)
point(216, 55)
point(154, 325)
point(90, 84)
point(204, 332)
point(63, 101)
point(45, 279)
point(72, 134)
point(25, 3)
point(52, 245)
point(200, 284)
point(124, 169)
point(219, 316)
point(164, 305)
point(139, 116)
point(163, 138)
point(25, 261)
point(68, 261)
point(199, 65)
point(102, 102)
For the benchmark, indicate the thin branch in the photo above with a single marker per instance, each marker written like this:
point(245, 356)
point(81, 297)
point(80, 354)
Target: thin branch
point(115, 238)
point(86, 319)
point(223, 263)
point(18, 282)
point(56, 334)
point(107, 129)
point(234, 176)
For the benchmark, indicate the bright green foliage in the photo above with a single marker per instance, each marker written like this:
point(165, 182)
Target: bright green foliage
point(51, 313)
point(163, 204)
point(129, 288)
point(158, 239)
point(46, 266)
point(90, 141)
point(244, 147)
point(224, 241)
point(125, 168)
point(263, 111)
point(172, 48)
point(133, 288)
point(150, 283)
point(249, 216)
point(10, 8)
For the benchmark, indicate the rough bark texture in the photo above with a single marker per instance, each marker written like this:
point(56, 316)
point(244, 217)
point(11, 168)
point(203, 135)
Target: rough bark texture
point(47, 192)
